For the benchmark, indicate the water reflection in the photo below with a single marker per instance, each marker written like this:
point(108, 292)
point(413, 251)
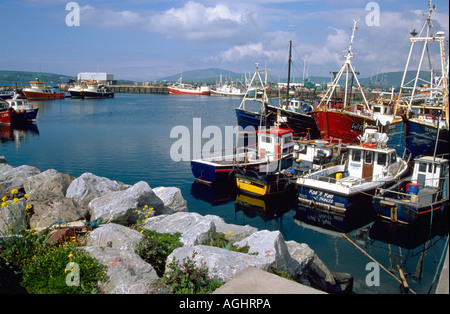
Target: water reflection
point(18, 134)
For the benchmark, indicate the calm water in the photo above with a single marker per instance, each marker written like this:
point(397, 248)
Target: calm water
point(128, 139)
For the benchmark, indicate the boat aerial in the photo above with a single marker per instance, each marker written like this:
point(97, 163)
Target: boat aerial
point(341, 119)
point(424, 195)
point(38, 91)
point(421, 109)
point(181, 88)
point(352, 184)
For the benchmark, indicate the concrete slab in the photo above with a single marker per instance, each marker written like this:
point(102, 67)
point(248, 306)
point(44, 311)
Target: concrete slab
point(256, 281)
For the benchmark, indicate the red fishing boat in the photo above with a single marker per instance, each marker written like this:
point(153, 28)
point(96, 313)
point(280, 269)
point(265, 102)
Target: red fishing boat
point(5, 114)
point(187, 89)
point(38, 91)
point(339, 119)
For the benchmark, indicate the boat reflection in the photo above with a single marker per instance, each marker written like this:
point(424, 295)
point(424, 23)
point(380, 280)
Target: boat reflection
point(269, 208)
point(213, 194)
point(19, 133)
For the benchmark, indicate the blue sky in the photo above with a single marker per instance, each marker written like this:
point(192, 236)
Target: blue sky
point(148, 39)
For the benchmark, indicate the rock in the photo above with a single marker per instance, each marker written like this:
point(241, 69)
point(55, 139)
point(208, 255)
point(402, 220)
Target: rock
point(127, 272)
point(49, 180)
point(194, 227)
point(3, 160)
point(120, 206)
point(49, 207)
point(89, 186)
point(303, 254)
point(172, 198)
point(13, 216)
point(222, 264)
point(234, 233)
point(13, 177)
point(272, 250)
point(116, 236)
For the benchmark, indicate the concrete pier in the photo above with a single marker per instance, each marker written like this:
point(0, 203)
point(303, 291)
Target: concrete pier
point(134, 89)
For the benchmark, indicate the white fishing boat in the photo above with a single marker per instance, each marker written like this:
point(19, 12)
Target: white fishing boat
point(227, 89)
point(181, 88)
point(369, 166)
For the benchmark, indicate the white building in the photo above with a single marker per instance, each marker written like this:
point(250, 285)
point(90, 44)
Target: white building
point(100, 77)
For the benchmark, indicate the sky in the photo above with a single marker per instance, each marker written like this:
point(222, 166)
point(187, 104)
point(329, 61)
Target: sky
point(144, 40)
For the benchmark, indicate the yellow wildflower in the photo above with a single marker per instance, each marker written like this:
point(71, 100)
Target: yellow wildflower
point(26, 196)
point(5, 198)
point(16, 200)
point(14, 191)
point(28, 207)
point(4, 204)
point(70, 255)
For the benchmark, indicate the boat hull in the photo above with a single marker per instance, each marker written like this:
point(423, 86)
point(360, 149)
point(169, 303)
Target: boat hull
point(418, 138)
point(256, 184)
point(5, 116)
point(183, 91)
point(406, 211)
point(43, 96)
point(246, 118)
point(335, 124)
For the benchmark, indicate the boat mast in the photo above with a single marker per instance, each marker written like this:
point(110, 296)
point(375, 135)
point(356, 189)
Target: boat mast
point(289, 74)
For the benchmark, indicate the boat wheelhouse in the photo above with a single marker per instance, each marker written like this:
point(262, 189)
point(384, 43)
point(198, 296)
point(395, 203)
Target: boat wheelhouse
point(352, 184)
point(426, 193)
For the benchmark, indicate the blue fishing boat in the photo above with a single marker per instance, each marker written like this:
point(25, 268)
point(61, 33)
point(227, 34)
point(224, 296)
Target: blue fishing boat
point(420, 123)
point(423, 196)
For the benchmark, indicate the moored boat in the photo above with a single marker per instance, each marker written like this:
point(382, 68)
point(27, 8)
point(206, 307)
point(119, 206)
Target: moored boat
point(22, 110)
point(90, 90)
point(424, 195)
point(5, 113)
point(352, 184)
point(181, 88)
point(38, 91)
point(273, 151)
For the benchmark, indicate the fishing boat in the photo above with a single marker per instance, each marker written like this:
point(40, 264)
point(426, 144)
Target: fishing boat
point(181, 88)
point(273, 151)
point(421, 124)
point(225, 89)
point(307, 155)
point(38, 91)
point(22, 110)
point(339, 118)
point(5, 113)
point(352, 184)
point(424, 195)
point(6, 94)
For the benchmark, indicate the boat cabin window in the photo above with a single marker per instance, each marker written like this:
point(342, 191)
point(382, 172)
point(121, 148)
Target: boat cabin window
point(266, 139)
point(377, 109)
point(422, 167)
point(393, 158)
point(356, 155)
point(381, 159)
point(302, 149)
point(368, 157)
point(288, 139)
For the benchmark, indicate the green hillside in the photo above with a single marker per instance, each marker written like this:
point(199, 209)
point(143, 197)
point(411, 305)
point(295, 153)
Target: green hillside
point(23, 77)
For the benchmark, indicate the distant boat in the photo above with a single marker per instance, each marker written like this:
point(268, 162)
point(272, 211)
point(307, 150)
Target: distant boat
point(38, 91)
point(351, 185)
point(6, 94)
point(91, 89)
point(181, 88)
point(421, 121)
point(338, 118)
point(424, 195)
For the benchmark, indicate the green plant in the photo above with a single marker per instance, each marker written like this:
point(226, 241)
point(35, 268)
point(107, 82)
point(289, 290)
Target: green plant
point(187, 278)
point(220, 240)
point(154, 248)
point(44, 266)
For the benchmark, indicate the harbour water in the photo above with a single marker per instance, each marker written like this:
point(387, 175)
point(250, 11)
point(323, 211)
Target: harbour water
point(127, 138)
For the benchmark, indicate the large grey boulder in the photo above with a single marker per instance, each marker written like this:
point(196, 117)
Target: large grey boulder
point(122, 207)
point(50, 180)
point(115, 236)
point(172, 198)
point(13, 217)
point(13, 177)
point(127, 273)
point(89, 186)
point(194, 227)
point(49, 207)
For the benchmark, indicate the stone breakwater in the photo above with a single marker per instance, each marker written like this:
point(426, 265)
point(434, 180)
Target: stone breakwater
point(60, 197)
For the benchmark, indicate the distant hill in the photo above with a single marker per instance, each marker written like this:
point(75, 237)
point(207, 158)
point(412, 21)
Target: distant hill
point(23, 77)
